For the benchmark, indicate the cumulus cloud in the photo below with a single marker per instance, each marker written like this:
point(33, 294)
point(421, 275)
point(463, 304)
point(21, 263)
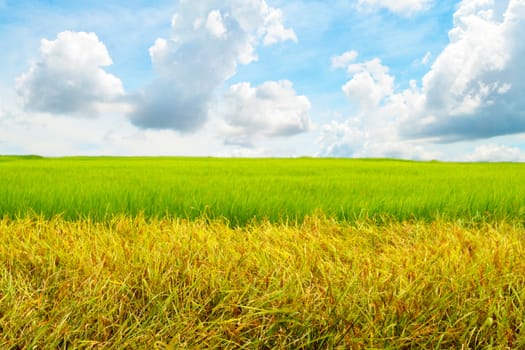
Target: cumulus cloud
point(372, 131)
point(370, 85)
point(475, 88)
point(273, 28)
point(68, 79)
point(496, 153)
point(271, 109)
point(403, 7)
point(215, 25)
point(209, 40)
point(343, 60)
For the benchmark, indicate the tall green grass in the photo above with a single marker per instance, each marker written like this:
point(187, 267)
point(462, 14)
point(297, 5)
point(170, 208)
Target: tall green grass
point(239, 190)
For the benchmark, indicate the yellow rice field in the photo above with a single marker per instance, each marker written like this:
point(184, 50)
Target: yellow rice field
point(134, 282)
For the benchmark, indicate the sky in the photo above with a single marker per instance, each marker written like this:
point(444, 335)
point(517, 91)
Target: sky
point(408, 79)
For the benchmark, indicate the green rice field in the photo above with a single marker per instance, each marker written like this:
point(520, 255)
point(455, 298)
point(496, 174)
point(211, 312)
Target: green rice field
point(240, 190)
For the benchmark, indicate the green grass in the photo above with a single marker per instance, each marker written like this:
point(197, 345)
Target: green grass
point(239, 190)
point(132, 283)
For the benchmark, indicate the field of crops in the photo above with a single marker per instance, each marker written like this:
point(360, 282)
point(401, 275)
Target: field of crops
point(240, 190)
point(176, 253)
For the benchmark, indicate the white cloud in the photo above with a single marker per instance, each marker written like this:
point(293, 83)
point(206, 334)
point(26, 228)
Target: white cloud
point(209, 40)
point(402, 7)
point(175, 20)
point(271, 109)
point(273, 28)
point(371, 83)
point(215, 25)
point(343, 60)
point(496, 153)
point(373, 130)
point(423, 61)
point(475, 88)
point(352, 139)
point(426, 59)
point(68, 78)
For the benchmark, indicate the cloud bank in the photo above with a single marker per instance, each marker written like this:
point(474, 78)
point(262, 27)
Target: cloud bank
point(209, 40)
point(473, 90)
point(496, 153)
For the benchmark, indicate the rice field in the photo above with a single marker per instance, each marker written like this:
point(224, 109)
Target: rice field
point(279, 190)
point(132, 283)
point(187, 253)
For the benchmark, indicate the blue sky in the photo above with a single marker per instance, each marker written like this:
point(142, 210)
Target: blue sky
point(413, 79)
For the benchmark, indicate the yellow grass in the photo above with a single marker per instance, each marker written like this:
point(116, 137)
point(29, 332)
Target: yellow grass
point(171, 283)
